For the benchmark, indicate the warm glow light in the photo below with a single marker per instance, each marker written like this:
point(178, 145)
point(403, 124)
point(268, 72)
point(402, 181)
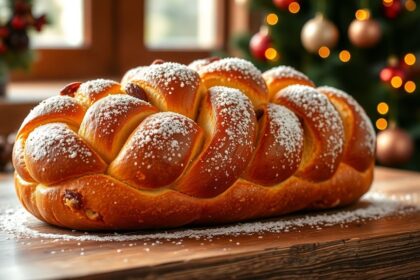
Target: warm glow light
point(381, 123)
point(271, 54)
point(382, 108)
point(344, 56)
point(410, 86)
point(410, 5)
point(410, 59)
point(388, 3)
point(294, 7)
point(362, 14)
point(324, 52)
point(396, 82)
point(272, 19)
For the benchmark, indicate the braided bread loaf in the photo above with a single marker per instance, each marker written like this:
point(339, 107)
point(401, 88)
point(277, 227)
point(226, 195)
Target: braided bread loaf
point(212, 142)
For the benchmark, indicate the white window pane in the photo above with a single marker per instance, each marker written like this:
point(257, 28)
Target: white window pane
point(187, 24)
point(66, 26)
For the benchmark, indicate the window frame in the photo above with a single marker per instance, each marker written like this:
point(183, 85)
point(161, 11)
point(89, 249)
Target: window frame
point(109, 25)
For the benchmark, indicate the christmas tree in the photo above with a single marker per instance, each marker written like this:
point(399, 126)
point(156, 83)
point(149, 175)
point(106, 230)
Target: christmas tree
point(367, 48)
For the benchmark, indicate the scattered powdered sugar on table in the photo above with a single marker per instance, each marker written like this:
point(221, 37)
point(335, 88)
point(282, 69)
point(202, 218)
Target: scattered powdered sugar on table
point(374, 206)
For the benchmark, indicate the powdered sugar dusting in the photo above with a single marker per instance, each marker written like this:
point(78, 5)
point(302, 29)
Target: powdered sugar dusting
point(286, 129)
point(54, 104)
point(95, 86)
point(55, 140)
point(283, 71)
point(245, 69)
point(109, 112)
point(159, 133)
point(235, 113)
point(168, 75)
point(369, 140)
point(326, 119)
point(132, 73)
point(374, 206)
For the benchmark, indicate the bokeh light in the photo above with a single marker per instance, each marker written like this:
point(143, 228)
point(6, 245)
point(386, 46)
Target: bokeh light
point(272, 19)
point(381, 123)
point(294, 7)
point(344, 55)
point(396, 82)
point(324, 52)
point(410, 86)
point(382, 108)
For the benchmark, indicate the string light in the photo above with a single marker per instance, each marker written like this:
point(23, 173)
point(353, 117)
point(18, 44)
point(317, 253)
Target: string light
point(344, 55)
point(294, 7)
point(410, 86)
point(382, 108)
point(396, 82)
point(324, 52)
point(410, 5)
point(410, 59)
point(362, 14)
point(381, 123)
point(272, 19)
point(271, 54)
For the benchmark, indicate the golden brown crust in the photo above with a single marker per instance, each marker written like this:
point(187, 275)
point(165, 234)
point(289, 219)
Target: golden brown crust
point(236, 73)
point(107, 203)
point(279, 77)
point(100, 157)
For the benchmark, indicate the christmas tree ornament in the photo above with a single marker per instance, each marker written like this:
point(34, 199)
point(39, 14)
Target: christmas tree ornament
point(364, 33)
point(319, 32)
point(392, 9)
point(259, 43)
point(394, 146)
point(18, 23)
point(283, 4)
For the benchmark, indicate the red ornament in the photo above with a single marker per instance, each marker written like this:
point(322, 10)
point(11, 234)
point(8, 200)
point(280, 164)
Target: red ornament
point(283, 4)
point(389, 72)
point(18, 22)
point(394, 146)
point(393, 9)
point(259, 43)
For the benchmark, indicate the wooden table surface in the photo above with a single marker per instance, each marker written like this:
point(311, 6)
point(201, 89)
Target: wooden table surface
point(385, 248)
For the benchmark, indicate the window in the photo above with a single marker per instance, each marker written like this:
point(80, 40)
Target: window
point(180, 24)
point(66, 24)
point(105, 38)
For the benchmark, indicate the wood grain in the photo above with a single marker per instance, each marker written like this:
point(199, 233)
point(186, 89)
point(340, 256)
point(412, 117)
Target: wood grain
point(382, 249)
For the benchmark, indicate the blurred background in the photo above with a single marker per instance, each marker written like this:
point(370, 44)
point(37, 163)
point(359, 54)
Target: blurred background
point(369, 48)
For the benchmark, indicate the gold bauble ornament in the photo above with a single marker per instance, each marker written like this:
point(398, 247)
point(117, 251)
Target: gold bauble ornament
point(364, 33)
point(319, 32)
point(394, 146)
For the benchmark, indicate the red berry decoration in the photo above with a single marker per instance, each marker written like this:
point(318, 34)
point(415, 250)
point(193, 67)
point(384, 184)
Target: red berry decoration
point(18, 23)
point(389, 72)
point(283, 4)
point(393, 9)
point(40, 22)
point(259, 43)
